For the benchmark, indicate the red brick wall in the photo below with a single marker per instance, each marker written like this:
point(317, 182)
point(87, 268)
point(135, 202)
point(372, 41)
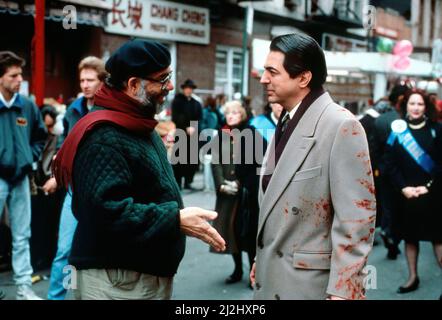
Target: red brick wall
point(196, 62)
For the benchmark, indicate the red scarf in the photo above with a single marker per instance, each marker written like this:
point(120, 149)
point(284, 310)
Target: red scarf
point(122, 111)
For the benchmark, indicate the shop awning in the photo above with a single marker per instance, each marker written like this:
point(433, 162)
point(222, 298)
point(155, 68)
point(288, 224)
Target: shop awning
point(89, 12)
point(99, 4)
point(366, 62)
point(375, 62)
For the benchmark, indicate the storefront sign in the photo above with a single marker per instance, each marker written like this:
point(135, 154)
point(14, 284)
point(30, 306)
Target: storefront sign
point(159, 20)
point(386, 32)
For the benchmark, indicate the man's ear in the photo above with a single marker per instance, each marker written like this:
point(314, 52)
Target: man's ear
point(305, 79)
point(132, 85)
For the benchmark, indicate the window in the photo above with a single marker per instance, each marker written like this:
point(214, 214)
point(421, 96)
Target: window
point(228, 71)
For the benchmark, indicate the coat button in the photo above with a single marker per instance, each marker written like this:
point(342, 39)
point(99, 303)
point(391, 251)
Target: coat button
point(257, 286)
point(279, 253)
point(295, 211)
point(277, 297)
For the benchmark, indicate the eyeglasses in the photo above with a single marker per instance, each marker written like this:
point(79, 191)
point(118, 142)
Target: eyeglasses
point(163, 81)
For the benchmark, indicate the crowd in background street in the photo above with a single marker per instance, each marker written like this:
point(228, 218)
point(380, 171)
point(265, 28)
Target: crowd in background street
point(404, 133)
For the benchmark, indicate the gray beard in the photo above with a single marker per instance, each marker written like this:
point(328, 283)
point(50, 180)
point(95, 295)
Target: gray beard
point(148, 103)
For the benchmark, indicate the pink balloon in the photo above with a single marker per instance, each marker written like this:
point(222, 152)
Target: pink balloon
point(401, 63)
point(403, 48)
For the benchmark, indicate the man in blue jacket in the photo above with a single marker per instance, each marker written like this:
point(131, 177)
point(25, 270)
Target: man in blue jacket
point(23, 135)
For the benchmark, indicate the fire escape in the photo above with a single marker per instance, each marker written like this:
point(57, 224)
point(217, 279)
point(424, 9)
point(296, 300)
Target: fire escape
point(335, 13)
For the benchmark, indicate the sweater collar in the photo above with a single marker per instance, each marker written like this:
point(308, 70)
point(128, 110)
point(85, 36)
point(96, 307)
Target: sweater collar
point(14, 102)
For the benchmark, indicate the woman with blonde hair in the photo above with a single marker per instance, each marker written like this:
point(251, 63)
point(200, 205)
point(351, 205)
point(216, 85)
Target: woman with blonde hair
point(230, 187)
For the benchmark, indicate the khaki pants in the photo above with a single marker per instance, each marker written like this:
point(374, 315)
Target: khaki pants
point(120, 284)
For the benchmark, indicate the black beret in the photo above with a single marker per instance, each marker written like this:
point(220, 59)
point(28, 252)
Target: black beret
point(138, 58)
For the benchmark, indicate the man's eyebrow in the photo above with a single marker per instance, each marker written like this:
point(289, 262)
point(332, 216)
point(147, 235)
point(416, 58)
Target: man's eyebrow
point(163, 75)
point(270, 68)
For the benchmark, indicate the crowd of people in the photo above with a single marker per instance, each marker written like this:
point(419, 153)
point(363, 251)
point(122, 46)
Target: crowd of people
point(101, 186)
point(404, 134)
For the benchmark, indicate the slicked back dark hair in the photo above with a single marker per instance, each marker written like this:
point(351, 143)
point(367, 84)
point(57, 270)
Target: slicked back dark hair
point(9, 59)
point(302, 53)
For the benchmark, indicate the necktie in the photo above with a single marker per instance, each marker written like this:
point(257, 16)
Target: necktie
point(285, 122)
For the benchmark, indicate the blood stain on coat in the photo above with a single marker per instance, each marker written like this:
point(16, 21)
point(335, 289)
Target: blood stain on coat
point(348, 248)
point(345, 110)
point(286, 210)
point(365, 238)
point(361, 154)
point(368, 185)
point(368, 236)
point(360, 225)
point(366, 204)
point(323, 215)
point(355, 130)
point(323, 204)
point(366, 161)
point(302, 264)
point(350, 279)
point(370, 219)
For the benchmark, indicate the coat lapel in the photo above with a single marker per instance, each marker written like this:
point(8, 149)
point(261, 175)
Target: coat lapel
point(268, 161)
point(296, 150)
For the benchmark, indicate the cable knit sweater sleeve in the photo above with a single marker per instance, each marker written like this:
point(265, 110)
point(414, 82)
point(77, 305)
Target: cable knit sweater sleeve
point(107, 188)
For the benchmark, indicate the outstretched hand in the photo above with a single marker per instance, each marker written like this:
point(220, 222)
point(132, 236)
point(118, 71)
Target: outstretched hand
point(253, 274)
point(194, 223)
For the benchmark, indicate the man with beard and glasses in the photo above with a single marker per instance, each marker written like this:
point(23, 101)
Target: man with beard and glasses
point(131, 230)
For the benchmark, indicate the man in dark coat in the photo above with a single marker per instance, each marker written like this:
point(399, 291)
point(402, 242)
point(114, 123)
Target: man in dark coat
point(130, 236)
point(186, 110)
point(377, 143)
point(367, 121)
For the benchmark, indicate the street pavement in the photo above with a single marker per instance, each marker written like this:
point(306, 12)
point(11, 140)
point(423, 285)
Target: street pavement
point(201, 273)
